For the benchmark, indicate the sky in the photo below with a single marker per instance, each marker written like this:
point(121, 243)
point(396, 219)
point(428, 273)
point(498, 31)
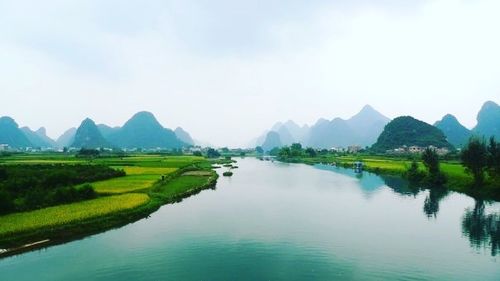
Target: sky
point(226, 70)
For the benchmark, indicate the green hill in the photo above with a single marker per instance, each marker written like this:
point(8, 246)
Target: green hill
point(39, 138)
point(488, 120)
point(11, 135)
point(144, 131)
point(455, 132)
point(89, 136)
point(409, 131)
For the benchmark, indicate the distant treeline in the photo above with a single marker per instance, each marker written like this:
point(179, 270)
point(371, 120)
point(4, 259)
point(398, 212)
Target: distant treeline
point(29, 187)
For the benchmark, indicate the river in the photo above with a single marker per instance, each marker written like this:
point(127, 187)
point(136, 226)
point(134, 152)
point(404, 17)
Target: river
point(278, 221)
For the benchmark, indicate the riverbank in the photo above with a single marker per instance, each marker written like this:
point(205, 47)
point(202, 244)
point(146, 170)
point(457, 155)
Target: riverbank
point(458, 179)
point(170, 179)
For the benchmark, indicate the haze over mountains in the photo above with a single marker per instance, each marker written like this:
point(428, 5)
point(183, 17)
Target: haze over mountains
point(144, 131)
point(141, 131)
point(364, 129)
point(361, 129)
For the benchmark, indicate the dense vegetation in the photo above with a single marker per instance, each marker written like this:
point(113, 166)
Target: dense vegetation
point(427, 169)
point(29, 187)
point(150, 181)
point(409, 131)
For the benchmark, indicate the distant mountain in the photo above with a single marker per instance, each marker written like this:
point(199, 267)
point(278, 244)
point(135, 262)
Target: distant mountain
point(183, 136)
point(406, 130)
point(289, 133)
point(361, 129)
point(89, 136)
point(144, 131)
point(39, 138)
point(272, 140)
point(106, 130)
point(67, 138)
point(11, 135)
point(488, 120)
point(455, 133)
point(298, 133)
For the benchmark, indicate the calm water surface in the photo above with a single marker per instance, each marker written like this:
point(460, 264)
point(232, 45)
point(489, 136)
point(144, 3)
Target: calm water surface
point(275, 221)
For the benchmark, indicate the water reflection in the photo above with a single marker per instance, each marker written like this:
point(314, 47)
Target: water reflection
point(482, 228)
point(431, 203)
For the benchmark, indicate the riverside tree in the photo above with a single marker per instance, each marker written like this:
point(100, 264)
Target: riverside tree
point(475, 159)
point(431, 162)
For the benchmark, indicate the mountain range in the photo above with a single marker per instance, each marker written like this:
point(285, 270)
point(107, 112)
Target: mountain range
point(144, 131)
point(361, 129)
point(141, 131)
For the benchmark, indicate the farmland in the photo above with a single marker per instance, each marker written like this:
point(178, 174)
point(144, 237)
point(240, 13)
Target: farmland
point(149, 182)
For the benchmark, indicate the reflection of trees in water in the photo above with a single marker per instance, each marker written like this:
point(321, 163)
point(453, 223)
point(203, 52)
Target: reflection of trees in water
point(400, 185)
point(431, 203)
point(483, 230)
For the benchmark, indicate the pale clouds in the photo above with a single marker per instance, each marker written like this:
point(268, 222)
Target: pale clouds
point(227, 70)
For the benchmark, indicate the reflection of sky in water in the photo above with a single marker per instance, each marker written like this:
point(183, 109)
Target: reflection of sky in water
point(370, 183)
point(278, 221)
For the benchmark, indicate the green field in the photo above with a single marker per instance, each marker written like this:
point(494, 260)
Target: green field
point(139, 193)
point(70, 213)
point(458, 179)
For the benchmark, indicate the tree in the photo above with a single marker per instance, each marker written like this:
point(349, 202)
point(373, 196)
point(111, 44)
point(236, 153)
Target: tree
point(413, 174)
point(494, 158)
point(431, 162)
point(475, 159)
point(296, 150)
point(284, 153)
point(311, 152)
point(259, 150)
point(197, 153)
point(212, 153)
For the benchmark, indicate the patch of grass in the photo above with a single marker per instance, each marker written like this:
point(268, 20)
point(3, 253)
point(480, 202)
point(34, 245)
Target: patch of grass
point(125, 184)
point(70, 213)
point(137, 170)
point(180, 185)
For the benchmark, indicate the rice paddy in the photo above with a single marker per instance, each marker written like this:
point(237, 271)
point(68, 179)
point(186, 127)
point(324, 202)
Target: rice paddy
point(142, 184)
point(70, 213)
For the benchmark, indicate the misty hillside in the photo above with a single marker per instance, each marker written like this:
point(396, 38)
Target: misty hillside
point(67, 138)
point(11, 135)
point(408, 131)
point(144, 131)
point(272, 140)
point(455, 133)
point(39, 138)
point(89, 136)
point(183, 136)
point(488, 120)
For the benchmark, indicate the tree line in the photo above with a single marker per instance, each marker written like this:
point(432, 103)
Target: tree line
point(29, 187)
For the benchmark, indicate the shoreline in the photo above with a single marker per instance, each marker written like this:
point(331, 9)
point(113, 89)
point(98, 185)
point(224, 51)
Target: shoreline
point(22, 242)
point(454, 183)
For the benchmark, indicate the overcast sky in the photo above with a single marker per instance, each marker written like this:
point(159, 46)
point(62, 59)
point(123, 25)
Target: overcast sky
point(226, 70)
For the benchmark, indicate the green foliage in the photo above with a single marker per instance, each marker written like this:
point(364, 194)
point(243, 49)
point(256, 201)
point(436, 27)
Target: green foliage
point(197, 153)
point(413, 174)
point(28, 187)
point(475, 159)
point(409, 131)
point(88, 152)
point(212, 153)
point(259, 150)
point(311, 152)
point(494, 159)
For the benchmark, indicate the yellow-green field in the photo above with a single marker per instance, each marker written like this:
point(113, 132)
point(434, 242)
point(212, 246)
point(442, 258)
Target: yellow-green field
point(140, 185)
point(70, 213)
point(137, 178)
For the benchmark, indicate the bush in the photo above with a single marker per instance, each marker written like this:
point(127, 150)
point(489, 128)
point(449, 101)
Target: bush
point(413, 174)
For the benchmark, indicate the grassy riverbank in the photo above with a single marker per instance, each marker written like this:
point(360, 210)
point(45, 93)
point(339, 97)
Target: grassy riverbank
point(458, 179)
point(150, 182)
